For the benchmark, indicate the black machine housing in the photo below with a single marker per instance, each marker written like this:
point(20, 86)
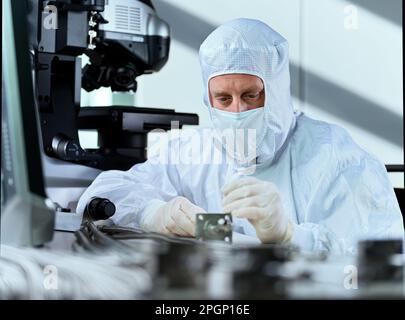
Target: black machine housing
point(123, 40)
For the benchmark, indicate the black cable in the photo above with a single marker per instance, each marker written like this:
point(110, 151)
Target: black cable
point(76, 247)
point(127, 234)
point(99, 236)
point(83, 240)
point(119, 229)
point(94, 238)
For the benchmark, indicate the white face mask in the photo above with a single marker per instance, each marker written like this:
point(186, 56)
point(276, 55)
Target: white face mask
point(240, 133)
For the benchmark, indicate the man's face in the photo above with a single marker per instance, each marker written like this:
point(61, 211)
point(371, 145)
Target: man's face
point(236, 92)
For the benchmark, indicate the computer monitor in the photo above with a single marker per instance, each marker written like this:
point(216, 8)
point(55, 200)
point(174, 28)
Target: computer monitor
point(27, 216)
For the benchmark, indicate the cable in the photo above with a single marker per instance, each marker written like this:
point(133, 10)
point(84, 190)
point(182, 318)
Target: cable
point(85, 276)
point(128, 233)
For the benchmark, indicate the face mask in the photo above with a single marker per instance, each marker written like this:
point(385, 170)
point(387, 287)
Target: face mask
point(240, 133)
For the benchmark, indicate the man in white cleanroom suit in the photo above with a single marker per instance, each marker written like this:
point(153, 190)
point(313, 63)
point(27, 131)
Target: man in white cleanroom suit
point(296, 180)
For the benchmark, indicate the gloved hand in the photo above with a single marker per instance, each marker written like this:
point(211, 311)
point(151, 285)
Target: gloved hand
point(176, 217)
point(259, 202)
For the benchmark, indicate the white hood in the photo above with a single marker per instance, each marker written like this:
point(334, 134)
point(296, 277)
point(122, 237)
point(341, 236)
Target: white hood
point(251, 47)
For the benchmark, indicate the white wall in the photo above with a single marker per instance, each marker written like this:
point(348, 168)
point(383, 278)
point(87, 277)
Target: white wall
point(359, 55)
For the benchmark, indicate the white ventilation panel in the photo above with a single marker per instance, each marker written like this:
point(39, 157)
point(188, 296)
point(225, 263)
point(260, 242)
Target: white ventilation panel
point(128, 18)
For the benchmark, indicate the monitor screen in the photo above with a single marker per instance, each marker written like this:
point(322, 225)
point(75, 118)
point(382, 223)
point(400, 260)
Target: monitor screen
point(27, 217)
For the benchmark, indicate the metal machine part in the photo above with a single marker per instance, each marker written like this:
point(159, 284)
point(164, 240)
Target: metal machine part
point(215, 269)
point(123, 39)
point(181, 265)
point(122, 133)
point(214, 226)
point(182, 271)
point(130, 25)
point(380, 261)
point(185, 268)
point(189, 268)
point(258, 271)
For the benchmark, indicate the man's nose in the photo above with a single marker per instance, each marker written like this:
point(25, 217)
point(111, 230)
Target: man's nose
point(238, 105)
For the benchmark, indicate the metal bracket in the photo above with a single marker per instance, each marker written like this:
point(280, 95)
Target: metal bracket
point(214, 226)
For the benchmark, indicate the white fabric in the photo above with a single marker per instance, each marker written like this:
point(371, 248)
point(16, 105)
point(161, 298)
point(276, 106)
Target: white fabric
point(251, 47)
point(240, 132)
point(333, 191)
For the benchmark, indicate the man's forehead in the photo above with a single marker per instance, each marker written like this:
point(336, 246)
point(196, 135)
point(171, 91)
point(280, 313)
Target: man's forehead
point(235, 76)
point(222, 83)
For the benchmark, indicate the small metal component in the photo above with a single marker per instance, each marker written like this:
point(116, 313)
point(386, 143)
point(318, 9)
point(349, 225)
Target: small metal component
point(214, 226)
point(92, 23)
point(92, 36)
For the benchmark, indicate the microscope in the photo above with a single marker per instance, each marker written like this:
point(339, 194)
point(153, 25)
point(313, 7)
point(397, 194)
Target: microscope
point(123, 39)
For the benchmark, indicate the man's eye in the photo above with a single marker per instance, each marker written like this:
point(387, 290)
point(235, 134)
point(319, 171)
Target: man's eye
point(252, 96)
point(223, 99)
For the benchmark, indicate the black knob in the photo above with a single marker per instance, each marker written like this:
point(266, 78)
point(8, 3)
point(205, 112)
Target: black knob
point(100, 208)
point(63, 147)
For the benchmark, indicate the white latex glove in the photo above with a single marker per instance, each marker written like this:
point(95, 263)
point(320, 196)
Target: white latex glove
point(176, 217)
point(259, 202)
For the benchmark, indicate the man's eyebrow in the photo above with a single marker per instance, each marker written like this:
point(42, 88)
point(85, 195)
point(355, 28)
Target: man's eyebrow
point(220, 93)
point(250, 89)
point(254, 89)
